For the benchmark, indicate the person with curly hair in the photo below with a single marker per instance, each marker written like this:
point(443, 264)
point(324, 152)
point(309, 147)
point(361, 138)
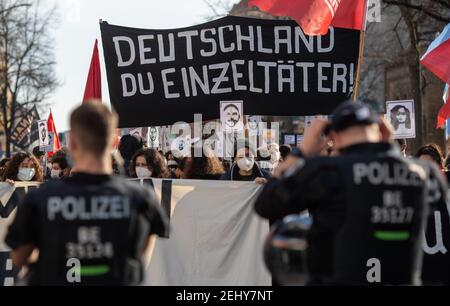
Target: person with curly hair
point(148, 163)
point(206, 167)
point(23, 167)
point(3, 164)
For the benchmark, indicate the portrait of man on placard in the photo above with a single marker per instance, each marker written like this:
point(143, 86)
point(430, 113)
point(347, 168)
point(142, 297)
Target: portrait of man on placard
point(153, 136)
point(43, 132)
point(232, 116)
point(400, 114)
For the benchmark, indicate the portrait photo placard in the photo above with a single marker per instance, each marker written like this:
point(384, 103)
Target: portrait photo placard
point(232, 116)
point(44, 140)
point(253, 125)
point(401, 116)
point(153, 137)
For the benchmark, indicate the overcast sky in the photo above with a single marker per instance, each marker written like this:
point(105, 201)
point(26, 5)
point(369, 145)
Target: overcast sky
point(79, 27)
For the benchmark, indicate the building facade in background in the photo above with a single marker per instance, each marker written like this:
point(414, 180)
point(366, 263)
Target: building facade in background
point(390, 69)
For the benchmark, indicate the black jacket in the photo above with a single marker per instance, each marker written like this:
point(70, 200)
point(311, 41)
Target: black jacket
point(233, 173)
point(367, 203)
point(102, 221)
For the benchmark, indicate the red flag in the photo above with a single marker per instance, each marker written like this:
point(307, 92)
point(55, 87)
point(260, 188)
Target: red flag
point(444, 112)
point(52, 129)
point(437, 57)
point(94, 81)
point(316, 16)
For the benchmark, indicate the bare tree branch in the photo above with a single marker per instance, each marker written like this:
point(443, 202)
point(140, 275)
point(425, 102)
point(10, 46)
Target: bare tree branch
point(419, 7)
point(443, 3)
point(212, 7)
point(27, 75)
point(219, 8)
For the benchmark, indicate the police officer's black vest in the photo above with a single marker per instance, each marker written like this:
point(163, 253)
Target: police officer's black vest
point(379, 242)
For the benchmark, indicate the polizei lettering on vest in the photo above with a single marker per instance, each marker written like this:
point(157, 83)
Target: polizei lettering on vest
point(377, 173)
point(98, 208)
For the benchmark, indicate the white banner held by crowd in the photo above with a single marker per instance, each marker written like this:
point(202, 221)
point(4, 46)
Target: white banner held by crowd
point(216, 238)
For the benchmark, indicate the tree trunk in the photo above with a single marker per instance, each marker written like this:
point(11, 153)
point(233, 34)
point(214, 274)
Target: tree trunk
point(8, 142)
point(414, 76)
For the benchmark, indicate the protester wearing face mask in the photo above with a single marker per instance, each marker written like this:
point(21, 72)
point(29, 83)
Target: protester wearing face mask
point(148, 163)
point(60, 168)
point(23, 167)
point(245, 168)
point(264, 159)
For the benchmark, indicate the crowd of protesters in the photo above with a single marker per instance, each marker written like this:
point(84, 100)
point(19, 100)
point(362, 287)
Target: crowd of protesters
point(136, 161)
point(320, 180)
point(139, 161)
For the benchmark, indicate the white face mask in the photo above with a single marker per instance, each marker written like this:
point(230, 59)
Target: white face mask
point(26, 174)
point(246, 163)
point(143, 172)
point(55, 174)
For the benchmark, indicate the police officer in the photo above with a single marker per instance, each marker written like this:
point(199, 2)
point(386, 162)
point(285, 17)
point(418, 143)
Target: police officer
point(93, 222)
point(367, 203)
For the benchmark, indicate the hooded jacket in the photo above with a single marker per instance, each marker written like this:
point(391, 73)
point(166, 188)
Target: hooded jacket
point(233, 173)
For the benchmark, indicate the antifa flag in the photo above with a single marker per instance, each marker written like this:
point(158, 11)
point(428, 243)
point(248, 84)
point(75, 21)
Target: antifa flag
point(26, 132)
point(158, 77)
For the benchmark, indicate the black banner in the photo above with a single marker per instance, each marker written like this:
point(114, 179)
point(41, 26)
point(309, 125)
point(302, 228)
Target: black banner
point(159, 77)
point(26, 131)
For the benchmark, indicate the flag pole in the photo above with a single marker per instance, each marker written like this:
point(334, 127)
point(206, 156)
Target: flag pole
point(45, 170)
point(46, 150)
point(362, 40)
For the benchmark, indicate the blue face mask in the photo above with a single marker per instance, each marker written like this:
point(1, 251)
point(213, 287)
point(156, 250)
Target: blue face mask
point(26, 174)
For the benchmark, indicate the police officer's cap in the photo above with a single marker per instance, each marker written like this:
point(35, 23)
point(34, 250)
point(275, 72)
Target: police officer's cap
point(350, 114)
